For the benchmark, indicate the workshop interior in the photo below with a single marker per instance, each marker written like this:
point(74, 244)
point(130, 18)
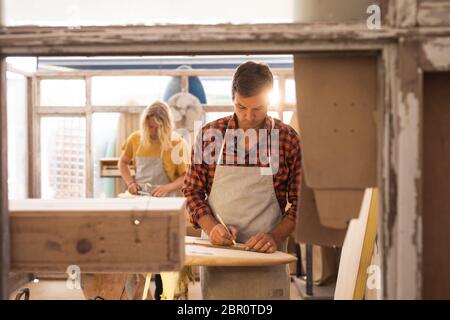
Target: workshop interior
point(106, 106)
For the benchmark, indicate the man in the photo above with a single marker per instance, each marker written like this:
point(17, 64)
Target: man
point(250, 202)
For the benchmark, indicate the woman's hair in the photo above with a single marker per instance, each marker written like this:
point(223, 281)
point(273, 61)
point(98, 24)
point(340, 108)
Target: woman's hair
point(162, 115)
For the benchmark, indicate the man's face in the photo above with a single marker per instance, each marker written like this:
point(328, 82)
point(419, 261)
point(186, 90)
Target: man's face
point(251, 111)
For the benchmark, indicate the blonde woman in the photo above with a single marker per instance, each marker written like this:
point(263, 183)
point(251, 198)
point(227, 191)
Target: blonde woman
point(151, 148)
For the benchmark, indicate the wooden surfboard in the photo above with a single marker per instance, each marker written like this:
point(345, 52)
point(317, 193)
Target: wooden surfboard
point(200, 252)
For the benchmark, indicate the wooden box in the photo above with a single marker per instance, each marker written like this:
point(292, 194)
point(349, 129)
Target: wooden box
point(109, 168)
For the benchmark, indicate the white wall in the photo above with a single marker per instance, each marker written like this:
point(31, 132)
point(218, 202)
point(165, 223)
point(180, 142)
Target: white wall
point(103, 12)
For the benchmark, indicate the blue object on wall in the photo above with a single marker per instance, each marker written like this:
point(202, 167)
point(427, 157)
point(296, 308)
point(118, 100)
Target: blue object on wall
point(195, 87)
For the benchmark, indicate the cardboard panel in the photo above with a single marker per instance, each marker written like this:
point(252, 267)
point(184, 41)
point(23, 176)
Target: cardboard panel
point(309, 230)
point(98, 235)
point(336, 102)
point(337, 207)
point(436, 186)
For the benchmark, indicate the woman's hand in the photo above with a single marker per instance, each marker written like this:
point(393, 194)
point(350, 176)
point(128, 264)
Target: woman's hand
point(221, 237)
point(133, 187)
point(162, 190)
point(262, 242)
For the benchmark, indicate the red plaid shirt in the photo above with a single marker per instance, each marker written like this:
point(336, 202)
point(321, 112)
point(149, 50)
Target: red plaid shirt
point(286, 181)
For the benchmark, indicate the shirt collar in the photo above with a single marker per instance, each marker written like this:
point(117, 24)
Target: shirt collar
point(233, 122)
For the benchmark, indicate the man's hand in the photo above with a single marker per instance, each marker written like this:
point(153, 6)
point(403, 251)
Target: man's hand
point(221, 237)
point(262, 242)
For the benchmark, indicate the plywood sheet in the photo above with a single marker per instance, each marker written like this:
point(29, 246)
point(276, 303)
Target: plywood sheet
point(337, 100)
point(309, 230)
point(436, 187)
point(357, 250)
point(201, 253)
point(98, 235)
point(337, 207)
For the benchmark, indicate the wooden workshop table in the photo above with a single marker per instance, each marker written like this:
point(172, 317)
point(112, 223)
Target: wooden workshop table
point(199, 252)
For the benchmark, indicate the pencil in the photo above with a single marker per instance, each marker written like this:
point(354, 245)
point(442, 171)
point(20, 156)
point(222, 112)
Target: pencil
point(223, 223)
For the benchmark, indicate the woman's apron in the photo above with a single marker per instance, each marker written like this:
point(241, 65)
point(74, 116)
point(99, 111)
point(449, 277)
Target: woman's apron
point(245, 198)
point(151, 170)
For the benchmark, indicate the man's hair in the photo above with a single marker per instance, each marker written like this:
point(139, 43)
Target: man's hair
point(250, 78)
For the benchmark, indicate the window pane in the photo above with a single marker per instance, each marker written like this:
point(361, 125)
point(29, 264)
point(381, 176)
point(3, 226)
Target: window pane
point(290, 91)
point(63, 93)
point(217, 89)
point(128, 90)
point(17, 136)
point(287, 116)
point(105, 127)
point(275, 95)
point(211, 116)
point(274, 114)
point(63, 157)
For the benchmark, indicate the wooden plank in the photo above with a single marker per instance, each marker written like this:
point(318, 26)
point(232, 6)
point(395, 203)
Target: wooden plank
point(77, 111)
point(357, 250)
point(337, 207)
point(187, 39)
point(98, 235)
point(406, 13)
point(389, 177)
point(4, 213)
point(36, 139)
point(435, 54)
point(309, 230)
point(17, 280)
point(30, 144)
point(433, 13)
point(201, 253)
point(337, 103)
point(79, 74)
point(407, 224)
point(436, 186)
point(89, 157)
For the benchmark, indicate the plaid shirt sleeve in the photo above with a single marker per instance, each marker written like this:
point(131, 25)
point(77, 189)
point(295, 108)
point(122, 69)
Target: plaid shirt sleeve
point(294, 160)
point(195, 187)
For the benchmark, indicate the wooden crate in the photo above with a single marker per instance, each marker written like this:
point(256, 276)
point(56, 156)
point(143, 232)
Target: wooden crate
point(109, 167)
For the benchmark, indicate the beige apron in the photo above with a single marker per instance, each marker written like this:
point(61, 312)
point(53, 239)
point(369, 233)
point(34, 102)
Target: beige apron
point(245, 198)
point(151, 170)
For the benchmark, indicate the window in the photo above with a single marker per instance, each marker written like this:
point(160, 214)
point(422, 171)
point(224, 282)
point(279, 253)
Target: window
point(63, 137)
point(105, 126)
point(63, 93)
point(290, 91)
point(52, 155)
point(18, 153)
point(127, 90)
point(217, 89)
